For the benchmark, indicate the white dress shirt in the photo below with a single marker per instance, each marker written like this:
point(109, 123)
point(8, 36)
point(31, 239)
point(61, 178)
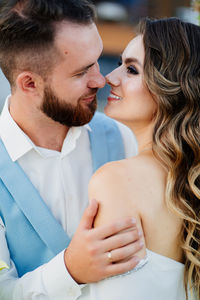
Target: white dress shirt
point(59, 178)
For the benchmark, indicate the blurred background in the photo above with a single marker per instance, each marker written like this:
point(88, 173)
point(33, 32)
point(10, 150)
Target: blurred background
point(116, 23)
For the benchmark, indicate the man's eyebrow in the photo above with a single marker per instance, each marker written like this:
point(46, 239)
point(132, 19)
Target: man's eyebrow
point(83, 68)
point(129, 60)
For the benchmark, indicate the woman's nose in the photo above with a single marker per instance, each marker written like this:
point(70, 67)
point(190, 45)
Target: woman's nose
point(112, 78)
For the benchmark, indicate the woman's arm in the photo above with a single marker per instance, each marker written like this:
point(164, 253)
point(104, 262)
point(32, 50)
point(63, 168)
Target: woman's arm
point(110, 187)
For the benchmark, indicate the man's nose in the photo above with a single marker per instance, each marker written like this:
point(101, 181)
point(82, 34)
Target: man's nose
point(97, 80)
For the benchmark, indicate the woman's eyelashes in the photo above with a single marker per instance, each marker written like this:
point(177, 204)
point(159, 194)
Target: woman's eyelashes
point(130, 69)
point(119, 63)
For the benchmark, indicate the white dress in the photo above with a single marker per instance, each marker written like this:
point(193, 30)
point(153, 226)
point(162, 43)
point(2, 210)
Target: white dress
point(159, 278)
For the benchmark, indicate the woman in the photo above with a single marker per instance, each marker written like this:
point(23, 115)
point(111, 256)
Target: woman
point(156, 92)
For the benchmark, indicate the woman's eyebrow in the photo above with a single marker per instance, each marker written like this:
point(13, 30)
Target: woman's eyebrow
point(129, 60)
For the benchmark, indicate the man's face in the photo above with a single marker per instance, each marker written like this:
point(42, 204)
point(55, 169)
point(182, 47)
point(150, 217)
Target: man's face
point(70, 91)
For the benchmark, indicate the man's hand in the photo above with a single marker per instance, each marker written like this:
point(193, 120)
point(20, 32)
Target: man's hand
point(97, 253)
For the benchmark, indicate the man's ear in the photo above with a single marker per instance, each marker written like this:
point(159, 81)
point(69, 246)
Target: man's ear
point(29, 83)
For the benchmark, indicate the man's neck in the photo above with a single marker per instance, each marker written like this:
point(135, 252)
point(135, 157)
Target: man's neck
point(43, 131)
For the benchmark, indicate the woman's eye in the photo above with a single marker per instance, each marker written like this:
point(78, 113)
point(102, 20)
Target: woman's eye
point(132, 70)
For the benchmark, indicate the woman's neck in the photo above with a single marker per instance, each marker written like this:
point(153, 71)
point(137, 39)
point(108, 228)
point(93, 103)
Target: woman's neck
point(144, 137)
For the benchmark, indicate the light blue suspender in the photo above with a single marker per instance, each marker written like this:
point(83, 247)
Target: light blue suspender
point(106, 141)
point(32, 233)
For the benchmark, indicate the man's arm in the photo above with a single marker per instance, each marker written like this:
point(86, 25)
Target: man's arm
point(84, 261)
point(50, 281)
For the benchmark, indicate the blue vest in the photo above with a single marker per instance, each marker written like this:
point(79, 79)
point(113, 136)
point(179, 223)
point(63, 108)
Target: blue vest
point(33, 234)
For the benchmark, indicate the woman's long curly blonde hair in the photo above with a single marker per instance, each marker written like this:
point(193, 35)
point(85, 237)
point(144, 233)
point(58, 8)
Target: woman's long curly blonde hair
point(172, 74)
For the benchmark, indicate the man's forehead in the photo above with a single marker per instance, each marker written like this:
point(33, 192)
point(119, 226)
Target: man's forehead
point(80, 45)
point(70, 35)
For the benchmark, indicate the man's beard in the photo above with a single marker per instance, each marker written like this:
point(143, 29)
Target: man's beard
point(65, 113)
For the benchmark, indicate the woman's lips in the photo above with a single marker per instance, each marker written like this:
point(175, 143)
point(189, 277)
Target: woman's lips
point(114, 97)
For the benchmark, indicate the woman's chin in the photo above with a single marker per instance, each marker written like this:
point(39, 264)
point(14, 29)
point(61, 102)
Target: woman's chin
point(113, 113)
point(116, 114)
point(110, 111)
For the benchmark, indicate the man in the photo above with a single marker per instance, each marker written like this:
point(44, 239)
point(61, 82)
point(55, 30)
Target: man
point(48, 52)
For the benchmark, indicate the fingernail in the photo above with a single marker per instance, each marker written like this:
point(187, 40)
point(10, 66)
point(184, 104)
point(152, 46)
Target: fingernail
point(133, 220)
point(139, 233)
point(137, 259)
point(92, 201)
point(141, 243)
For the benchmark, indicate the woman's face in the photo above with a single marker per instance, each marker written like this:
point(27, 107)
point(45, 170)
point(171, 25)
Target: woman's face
point(130, 100)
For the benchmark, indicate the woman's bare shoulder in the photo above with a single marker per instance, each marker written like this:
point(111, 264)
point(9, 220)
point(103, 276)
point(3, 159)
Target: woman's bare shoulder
point(128, 179)
point(107, 187)
point(135, 168)
point(107, 176)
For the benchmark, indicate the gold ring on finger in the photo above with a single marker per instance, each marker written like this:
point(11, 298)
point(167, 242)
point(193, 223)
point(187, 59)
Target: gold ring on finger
point(109, 255)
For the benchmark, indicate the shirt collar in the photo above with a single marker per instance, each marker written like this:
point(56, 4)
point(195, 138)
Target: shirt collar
point(17, 143)
point(15, 140)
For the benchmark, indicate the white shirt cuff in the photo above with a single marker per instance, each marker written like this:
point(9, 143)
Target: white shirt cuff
point(58, 283)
